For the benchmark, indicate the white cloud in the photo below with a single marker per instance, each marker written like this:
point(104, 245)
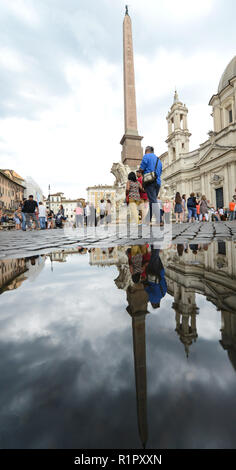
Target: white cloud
point(22, 9)
point(11, 60)
point(171, 11)
point(72, 144)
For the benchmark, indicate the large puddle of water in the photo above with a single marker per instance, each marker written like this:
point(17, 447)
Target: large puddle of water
point(119, 348)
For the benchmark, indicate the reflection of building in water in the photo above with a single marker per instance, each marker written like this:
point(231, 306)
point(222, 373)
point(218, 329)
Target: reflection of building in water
point(228, 335)
point(11, 274)
point(138, 300)
point(14, 271)
point(34, 265)
point(211, 272)
point(104, 256)
point(186, 310)
point(59, 256)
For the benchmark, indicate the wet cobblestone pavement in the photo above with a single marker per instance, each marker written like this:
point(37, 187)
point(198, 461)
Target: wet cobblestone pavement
point(22, 244)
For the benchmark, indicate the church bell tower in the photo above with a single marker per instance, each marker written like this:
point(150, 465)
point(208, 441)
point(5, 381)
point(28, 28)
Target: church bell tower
point(178, 133)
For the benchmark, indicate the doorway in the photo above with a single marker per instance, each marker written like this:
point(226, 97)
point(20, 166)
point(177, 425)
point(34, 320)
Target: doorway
point(219, 198)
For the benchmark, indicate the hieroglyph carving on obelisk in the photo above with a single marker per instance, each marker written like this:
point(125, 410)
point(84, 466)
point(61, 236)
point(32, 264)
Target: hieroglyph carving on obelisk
point(132, 151)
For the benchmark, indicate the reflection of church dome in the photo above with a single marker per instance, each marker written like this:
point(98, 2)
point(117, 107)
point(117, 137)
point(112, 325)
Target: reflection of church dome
point(229, 73)
point(232, 357)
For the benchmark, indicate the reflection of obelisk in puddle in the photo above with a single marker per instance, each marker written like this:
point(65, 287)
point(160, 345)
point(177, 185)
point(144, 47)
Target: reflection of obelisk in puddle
point(131, 141)
point(138, 299)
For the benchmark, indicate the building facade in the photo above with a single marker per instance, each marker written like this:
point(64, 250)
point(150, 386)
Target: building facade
point(11, 190)
point(211, 169)
point(69, 205)
point(96, 193)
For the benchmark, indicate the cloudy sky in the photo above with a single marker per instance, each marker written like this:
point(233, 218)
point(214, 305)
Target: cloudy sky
point(61, 82)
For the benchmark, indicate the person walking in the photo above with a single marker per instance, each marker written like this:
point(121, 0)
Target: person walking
point(167, 211)
point(184, 204)
point(23, 222)
point(178, 208)
point(234, 199)
point(204, 209)
point(198, 210)
point(108, 211)
point(79, 215)
point(87, 214)
point(92, 217)
point(29, 208)
point(143, 196)
point(50, 219)
point(151, 168)
point(232, 205)
point(102, 208)
point(133, 196)
point(60, 217)
point(191, 205)
point(42, 216)
point(18, 218)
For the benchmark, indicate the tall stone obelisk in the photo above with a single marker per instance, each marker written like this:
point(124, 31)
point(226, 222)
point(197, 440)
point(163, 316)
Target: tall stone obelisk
point(132, 151)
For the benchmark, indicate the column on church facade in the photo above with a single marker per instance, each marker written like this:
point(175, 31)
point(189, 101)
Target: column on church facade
point(177, 121)
point(185, 124)
point(226, 186)
point(206, 186)
point(235, 102)
point(232, 179)
point(217, 119)
point(203, 184)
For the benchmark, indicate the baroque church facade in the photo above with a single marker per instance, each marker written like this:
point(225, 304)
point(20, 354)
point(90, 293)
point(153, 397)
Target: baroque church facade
point(210, 169)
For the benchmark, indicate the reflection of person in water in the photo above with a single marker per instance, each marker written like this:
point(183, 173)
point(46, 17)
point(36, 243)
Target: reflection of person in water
point(148, 272)
point(180, 249)
point(138, 258)
point(155, 283)
point(194, 248)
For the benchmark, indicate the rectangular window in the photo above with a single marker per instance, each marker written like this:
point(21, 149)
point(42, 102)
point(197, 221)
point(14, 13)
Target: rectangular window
point(174, 154)
point(221, 248)
point(230, 116)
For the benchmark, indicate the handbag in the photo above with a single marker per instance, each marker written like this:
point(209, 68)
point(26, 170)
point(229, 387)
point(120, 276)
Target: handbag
point(149, 178)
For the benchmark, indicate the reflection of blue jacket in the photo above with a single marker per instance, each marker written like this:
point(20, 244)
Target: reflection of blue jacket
point(157, 291)
point(148, 164)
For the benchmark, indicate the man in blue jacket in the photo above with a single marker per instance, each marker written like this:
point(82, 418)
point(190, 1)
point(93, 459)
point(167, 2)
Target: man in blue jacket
point(148, 165)
point(155, 285)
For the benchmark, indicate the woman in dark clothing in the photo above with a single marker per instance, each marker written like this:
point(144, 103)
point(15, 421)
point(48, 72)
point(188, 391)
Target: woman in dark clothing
point(60, 216)
point(61, 211)
point(191, 205)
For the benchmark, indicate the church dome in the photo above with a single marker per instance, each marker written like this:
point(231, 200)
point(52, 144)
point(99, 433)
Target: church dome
point(230, 72)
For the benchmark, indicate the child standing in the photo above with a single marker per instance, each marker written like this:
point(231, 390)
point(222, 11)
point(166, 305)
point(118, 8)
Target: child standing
point(18, 218)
